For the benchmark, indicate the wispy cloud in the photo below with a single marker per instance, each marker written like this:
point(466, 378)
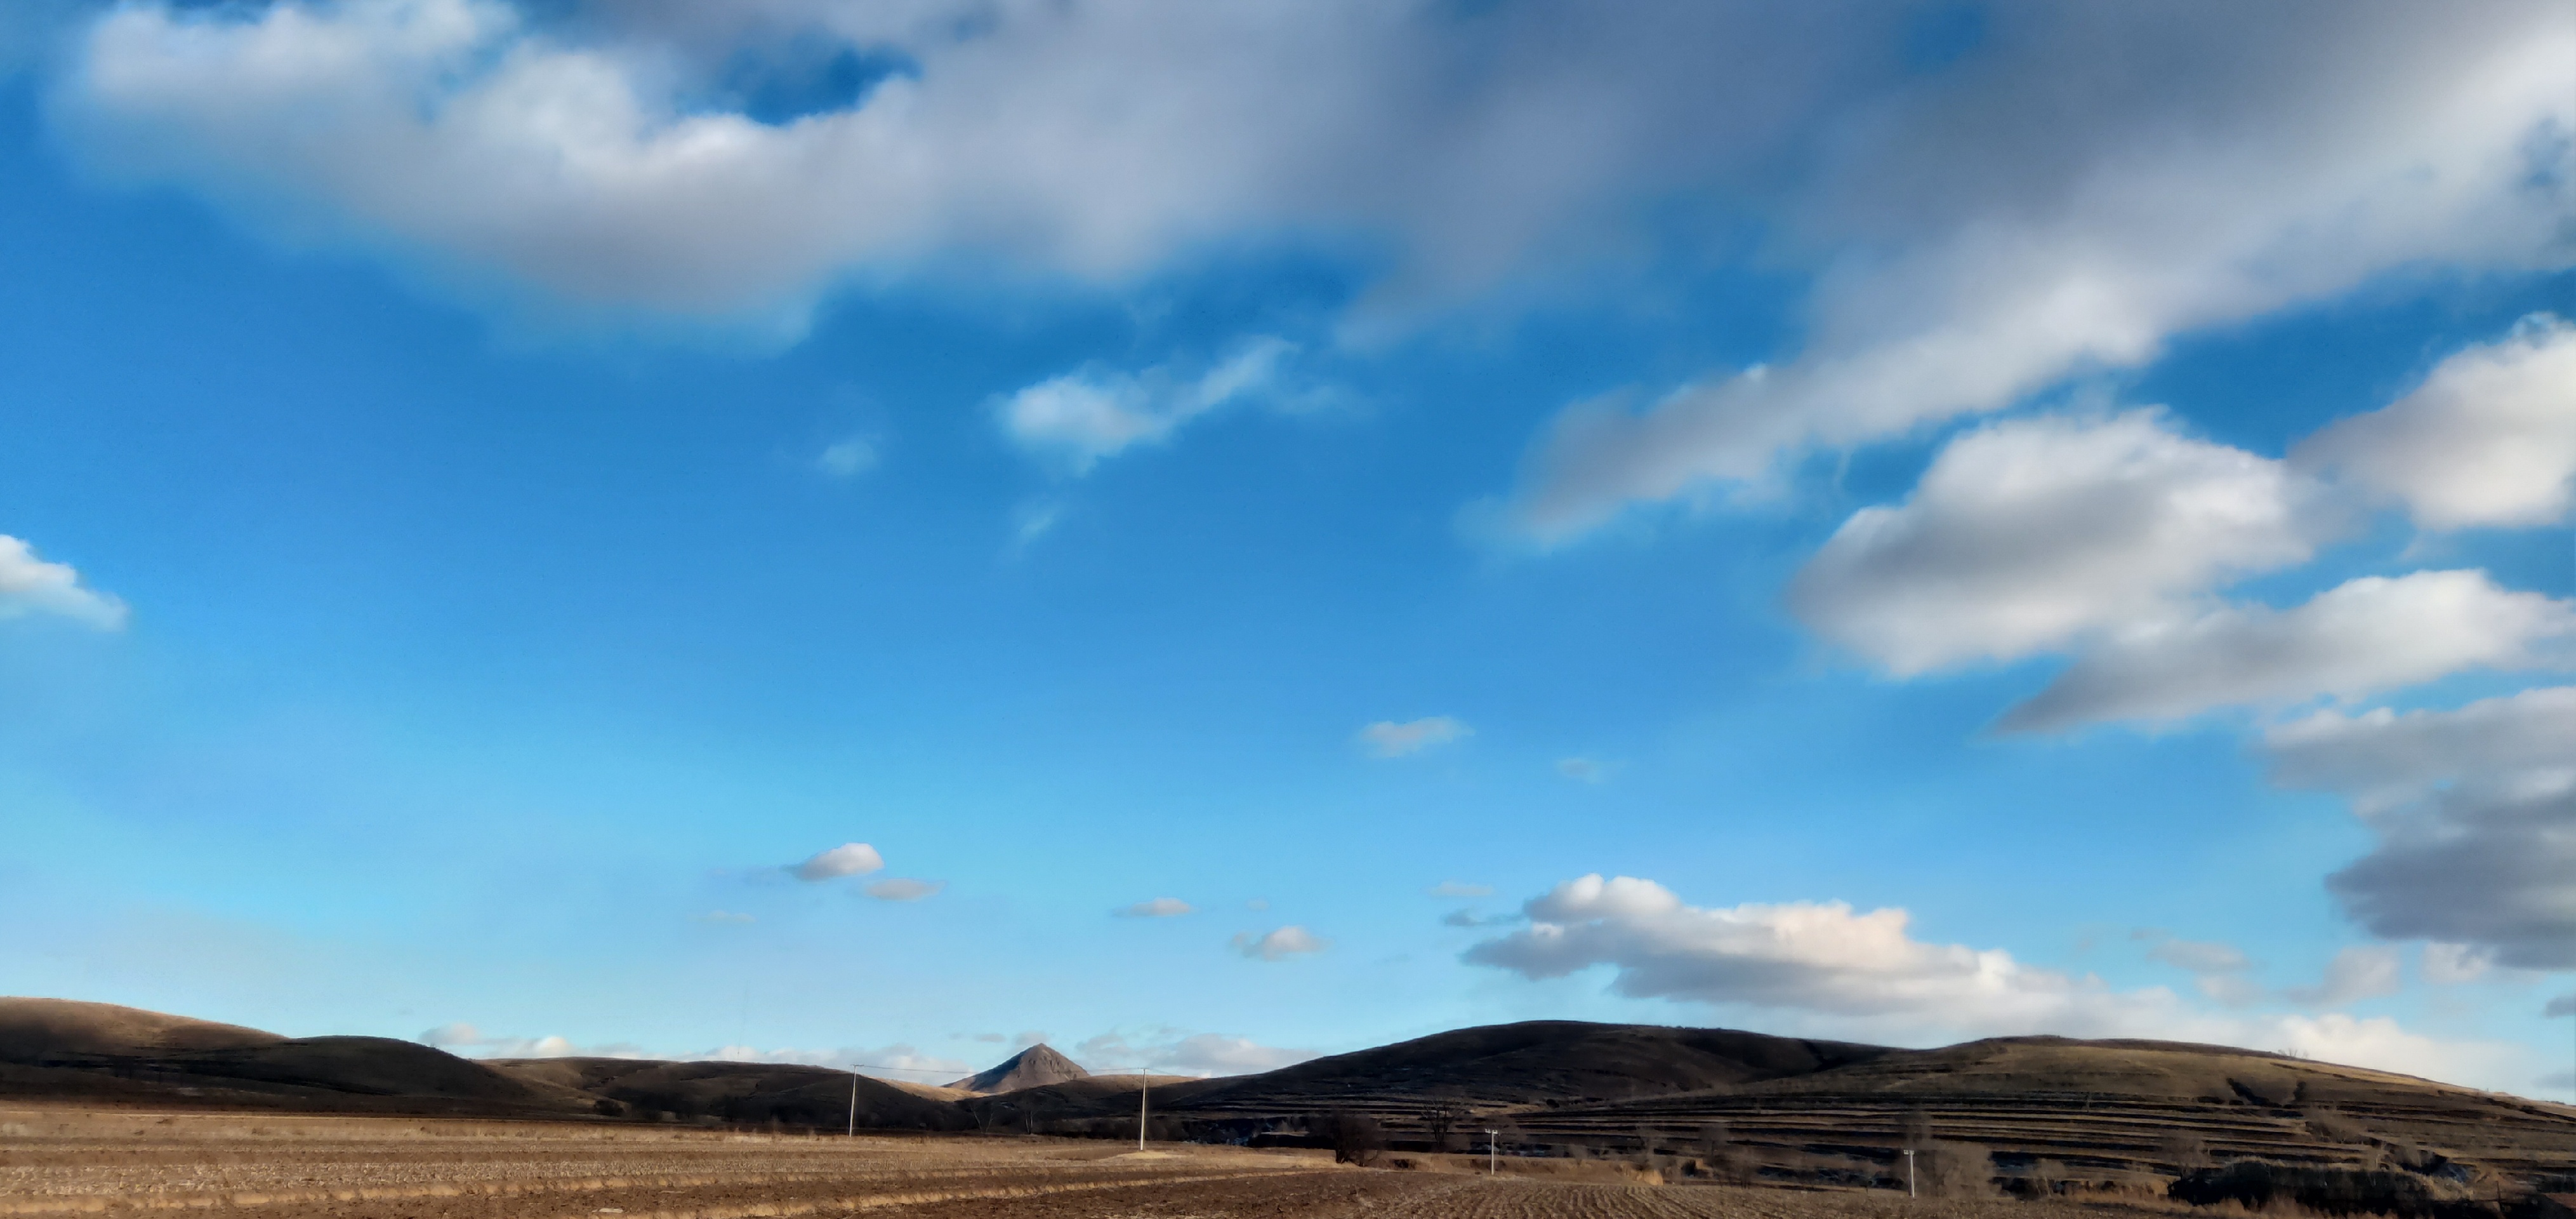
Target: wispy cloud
point(905, 889)
point(848, 458)
point(1081, 417)
point(1388, 739)
point(1160, 907)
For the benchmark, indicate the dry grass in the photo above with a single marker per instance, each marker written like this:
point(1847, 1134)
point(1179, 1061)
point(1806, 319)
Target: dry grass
point(72, 1162)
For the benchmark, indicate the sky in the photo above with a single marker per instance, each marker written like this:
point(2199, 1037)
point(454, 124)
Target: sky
point(877, 534)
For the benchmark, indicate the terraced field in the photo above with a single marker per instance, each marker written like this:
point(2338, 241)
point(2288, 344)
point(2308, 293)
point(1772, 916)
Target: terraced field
point(109, 1163)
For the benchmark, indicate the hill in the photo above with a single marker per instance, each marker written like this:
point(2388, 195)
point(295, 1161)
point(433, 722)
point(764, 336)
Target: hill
point(1034, 1067)
point(64, 1048)
point(743, 1093)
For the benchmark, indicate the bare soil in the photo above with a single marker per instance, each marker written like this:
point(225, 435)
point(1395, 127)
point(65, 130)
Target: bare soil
point(73, 1161)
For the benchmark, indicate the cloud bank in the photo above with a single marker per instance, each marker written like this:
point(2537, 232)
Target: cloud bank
point(1868, 970)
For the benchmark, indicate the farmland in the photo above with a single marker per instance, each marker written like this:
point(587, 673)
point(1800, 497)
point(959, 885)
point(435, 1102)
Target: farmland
point(96, 1161)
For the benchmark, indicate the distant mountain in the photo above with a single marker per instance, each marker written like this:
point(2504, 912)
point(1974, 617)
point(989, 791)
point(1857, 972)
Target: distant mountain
point(1034, 1067)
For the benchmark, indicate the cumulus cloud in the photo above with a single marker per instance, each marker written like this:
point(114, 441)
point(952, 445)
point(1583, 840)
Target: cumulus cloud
point(1160, 907)
point(2384, 759)
point(2365, 636)
point(1388, 739)
point(1082, 417)
point(2029, 535)
point(1090, 142)
point(904, 889)
point(1170, 1052)
point(1869, 970)
point(1281, 944)
point(2475, 813)
point(2107, 210)
point(2489, 438)
point(847, 859)
point(31, 586)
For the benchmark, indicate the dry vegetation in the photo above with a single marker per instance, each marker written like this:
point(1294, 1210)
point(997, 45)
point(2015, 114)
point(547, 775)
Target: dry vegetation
point(67, 1161)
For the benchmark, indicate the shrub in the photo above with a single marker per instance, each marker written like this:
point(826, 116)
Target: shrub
point(1955, 1170)
point(2332, 1191)
point(1356, 1138)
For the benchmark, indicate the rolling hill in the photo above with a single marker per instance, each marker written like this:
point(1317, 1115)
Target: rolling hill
point(1803, 1109)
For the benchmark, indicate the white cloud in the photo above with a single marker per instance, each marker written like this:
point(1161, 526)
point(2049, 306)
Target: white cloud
point(905, 889)
point(898, 1061)
point(1281, 944)
point(1388, 739)
point(847, 859)
point(2109, 205)
point(1868, 970)
point(1168, 1052)
point(2365, 636)
point(1160, 907)
point(2029, 535)
point(2383, 759)
point(2489, 438)
point(468, 1041)
point(1094, 143)
point(29, 585)
point(1081, 417)
point(2475, 813)
point(1453, 888)
point(2363, 971)
point(848, 458)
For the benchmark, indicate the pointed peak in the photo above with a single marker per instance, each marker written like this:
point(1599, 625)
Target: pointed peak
point(1034, 1067)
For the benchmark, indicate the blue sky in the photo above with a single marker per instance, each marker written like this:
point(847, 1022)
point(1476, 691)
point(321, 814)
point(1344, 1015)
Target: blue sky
point(1287, 527)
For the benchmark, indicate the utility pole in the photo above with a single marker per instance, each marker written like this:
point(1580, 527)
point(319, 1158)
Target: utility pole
point(853, 1131)
point(1909, 1172)
point(1493, 1154)
point(1144, 1085)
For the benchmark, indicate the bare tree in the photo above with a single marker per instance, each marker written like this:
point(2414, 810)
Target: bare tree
point(2184, 1151)
point(1356, 1138)
point(1724, 1158)
point(1442, 1120)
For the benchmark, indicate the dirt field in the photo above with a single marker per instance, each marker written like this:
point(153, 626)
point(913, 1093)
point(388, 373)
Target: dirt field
point(108, 1162)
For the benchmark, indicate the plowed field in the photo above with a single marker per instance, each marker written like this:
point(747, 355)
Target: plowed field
point(111, 1163)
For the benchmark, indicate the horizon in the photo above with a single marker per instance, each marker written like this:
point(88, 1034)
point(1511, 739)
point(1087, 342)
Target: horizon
point(847, 534)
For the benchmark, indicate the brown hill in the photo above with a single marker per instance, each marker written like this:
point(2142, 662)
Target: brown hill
point(59, 1047)
point(39, 1031)
point(1530, 1063)
point(1035, 1067)
point(743, 1092)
